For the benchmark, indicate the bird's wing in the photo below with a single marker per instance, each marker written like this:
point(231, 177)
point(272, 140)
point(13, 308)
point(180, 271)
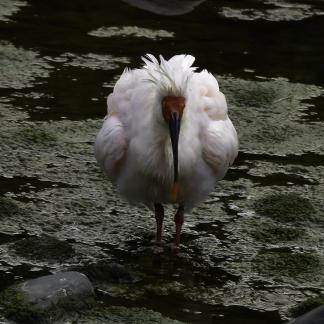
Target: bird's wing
point(111, 146)
point(219, 146)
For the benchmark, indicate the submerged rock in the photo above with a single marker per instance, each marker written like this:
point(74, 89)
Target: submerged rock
point(316, 316)
point(172, 8)
point(307, 306)
point(37, 300)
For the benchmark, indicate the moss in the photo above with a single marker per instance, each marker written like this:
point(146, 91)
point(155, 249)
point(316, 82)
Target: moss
point(289, 207)
point(271, 233)
point(9, 208)
point(286, 263)
point(16, 307)
point(44, 248)
point(121, 314)
point(307, 305)
point(39, 135)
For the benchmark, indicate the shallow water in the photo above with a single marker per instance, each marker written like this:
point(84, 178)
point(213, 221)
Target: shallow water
point(254, 249)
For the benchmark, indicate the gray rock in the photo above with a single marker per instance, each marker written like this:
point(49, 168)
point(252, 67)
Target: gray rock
point(170, 8)
point(46, 298)
point(315, 316)
point(58, 288)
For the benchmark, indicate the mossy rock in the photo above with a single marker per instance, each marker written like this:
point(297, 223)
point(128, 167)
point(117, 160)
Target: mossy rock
point(307, 305)
point(9, 208)
point(46, 299)
point(285, 207)
point(44, 248)
point(286, 263)
point(14, 306)
point(271, 233)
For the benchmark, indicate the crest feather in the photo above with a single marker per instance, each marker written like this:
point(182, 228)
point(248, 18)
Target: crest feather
point(170, 77)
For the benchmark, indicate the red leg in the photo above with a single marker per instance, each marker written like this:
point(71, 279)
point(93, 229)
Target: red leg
point(178, 219)
point(159, 215)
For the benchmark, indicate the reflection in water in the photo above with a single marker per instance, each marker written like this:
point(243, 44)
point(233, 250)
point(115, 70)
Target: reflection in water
point(166, 8)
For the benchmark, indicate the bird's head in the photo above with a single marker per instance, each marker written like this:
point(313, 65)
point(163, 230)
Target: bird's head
point(172, 110)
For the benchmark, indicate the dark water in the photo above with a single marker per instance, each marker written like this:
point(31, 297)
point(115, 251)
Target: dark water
point(254, 250)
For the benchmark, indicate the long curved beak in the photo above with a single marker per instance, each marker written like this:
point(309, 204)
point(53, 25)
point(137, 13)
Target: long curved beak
point(174, 127)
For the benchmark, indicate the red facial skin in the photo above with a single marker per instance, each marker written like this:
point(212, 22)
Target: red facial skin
point(172, 104)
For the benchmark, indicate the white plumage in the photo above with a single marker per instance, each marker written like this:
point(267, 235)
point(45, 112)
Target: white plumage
point(134, 148)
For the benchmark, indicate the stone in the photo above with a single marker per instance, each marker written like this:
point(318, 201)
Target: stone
point(37, 300)
point(316, 316)
point(56, 289)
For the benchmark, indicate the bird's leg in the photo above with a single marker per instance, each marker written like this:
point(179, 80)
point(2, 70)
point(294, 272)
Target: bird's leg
point(159, 215)
point(178, 219)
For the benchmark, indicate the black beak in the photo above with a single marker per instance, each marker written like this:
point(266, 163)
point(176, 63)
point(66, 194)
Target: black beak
point(174, 127)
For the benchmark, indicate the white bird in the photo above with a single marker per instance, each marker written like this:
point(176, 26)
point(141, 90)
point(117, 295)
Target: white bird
point(142, 148)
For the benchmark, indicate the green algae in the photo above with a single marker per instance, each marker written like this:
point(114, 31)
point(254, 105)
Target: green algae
point(270, 111)
point(15, 306)
point(21, 68)
point(287, 264)
point(133, 31)
point(119, 314)
point(307, 305)
point(285, 207)
point(9, 8)
point(273, 10)
point(36, 134)
point(94, 61)
point(43, 249)
point(272, 233)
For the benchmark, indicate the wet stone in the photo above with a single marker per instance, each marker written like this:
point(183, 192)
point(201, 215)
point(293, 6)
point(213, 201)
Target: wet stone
point(48, 297)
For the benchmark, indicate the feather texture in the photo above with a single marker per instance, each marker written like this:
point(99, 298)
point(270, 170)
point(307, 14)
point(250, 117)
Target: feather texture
point(134, 147)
